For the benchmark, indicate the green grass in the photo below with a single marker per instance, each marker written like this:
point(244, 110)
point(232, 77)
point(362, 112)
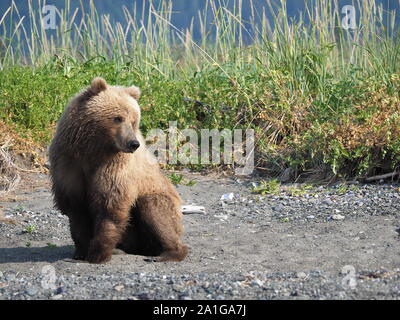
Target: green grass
point(298, 191)
point(30, 229)
point(317, 96)
point(51, 245)
point(267, 187)
point(180, 179)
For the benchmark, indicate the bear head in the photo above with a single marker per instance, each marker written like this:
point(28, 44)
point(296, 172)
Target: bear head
point(110, 115)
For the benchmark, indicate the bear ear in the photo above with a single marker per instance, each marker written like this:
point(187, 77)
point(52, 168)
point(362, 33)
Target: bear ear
point(134, 92)
point(98, 85)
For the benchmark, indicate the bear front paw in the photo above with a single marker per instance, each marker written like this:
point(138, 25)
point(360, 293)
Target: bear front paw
point(79, 254)
point(98, 255)
point(171, 255)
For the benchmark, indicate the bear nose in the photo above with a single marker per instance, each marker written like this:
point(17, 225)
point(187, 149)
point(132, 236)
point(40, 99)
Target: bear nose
point(133, 145)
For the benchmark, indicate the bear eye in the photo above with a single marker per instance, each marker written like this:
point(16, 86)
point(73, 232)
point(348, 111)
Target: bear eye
point(118, 119)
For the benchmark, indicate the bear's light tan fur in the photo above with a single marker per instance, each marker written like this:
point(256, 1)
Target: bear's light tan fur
point(112, 190)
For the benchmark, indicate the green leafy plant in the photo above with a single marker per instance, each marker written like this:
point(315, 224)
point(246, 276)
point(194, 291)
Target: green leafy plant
point(266, 187)
point(180, 179)
point(30, 229)
point(176, 178)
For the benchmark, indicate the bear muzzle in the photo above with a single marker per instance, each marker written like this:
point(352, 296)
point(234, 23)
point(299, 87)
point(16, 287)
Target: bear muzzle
point(132, 145)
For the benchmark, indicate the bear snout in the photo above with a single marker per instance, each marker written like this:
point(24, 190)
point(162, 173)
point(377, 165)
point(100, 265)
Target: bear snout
point(133, 145)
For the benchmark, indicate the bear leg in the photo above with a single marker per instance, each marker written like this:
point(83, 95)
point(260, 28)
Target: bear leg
point(159, 223)
point(80, 227)
point(107, 234)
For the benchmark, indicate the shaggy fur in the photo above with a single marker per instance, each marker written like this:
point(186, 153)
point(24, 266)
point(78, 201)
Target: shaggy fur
point(114, 196)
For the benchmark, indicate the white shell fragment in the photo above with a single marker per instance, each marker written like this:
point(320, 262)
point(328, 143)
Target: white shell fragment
point(191, 209)
point(228, 197)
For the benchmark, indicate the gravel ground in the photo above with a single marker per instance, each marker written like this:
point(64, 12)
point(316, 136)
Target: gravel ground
point(336, 242)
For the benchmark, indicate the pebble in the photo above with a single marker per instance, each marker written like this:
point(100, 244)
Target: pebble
point(327, 201)
point(60, 290)
point(228, 197)
point(31, 291)
point(337, 217)
point(257, 282)
point(57, 297)
point(301, 275)
point(119, 288)
point(10, 277)
point(278, 208)
point(178, 288)
point(144, 296)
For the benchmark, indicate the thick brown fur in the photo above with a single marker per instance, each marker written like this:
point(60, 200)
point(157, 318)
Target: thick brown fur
point(114, 196)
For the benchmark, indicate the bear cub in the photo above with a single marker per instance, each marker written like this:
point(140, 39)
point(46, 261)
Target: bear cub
point(108, 184)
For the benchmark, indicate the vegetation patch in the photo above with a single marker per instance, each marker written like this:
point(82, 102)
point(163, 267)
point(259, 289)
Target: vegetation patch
point(323, 101)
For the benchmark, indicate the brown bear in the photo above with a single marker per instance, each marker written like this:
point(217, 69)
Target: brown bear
point(108, 184)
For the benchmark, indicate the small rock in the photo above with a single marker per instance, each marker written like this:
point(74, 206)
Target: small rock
point(60, 290)
point(301, 275)
point(228, 197)
point(1, 274)
point(178, 288)
point(143, 296)
point(278, 207)
point(119, 288)
point(10, 277)
point(310, 217)
point(221, 217)
point(192, 209)
point(327, 202)
point(31, 291)
point(337, 217)
point(257, 282)
point(57, 297)
point(3, 285)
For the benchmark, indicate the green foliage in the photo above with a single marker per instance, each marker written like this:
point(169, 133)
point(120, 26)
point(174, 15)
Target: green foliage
point(298, 191)
point(30, 229)
point(180, 179)
point(316, 95)
point(266, 187)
